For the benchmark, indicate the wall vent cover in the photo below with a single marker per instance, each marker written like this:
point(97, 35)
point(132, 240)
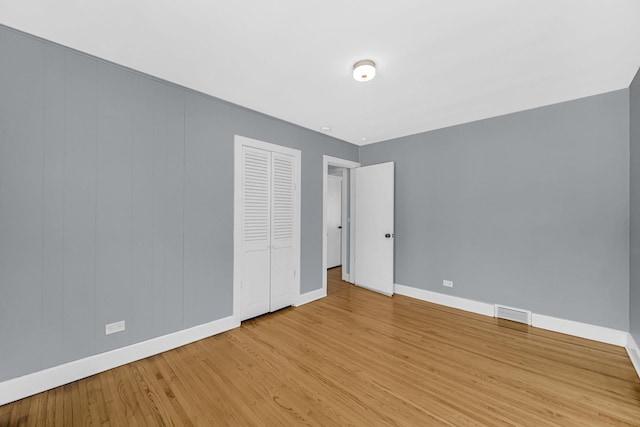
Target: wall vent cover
point(513, 314)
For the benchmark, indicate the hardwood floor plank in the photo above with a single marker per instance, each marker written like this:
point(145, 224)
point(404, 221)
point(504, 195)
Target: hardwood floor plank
point(357, 358)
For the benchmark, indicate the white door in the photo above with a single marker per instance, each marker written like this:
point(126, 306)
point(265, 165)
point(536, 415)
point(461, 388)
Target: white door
point(374, 221)
point(256, 254)
point(282, 230)
point(334, 221)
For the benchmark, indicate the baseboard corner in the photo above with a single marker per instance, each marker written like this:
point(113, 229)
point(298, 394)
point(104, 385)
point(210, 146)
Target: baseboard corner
point(311, 296)
point(633, 350)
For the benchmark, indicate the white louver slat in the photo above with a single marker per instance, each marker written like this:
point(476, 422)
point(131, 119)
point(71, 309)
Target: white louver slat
point(283, 197)
point(256, 195)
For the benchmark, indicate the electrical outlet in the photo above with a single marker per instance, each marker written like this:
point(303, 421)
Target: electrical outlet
point(447, 283)
point(112, 328)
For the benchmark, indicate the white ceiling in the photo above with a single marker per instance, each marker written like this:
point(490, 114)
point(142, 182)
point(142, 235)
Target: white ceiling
point(440, 63)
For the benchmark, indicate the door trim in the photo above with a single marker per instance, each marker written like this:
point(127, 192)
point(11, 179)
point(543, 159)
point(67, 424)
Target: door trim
point(333, 161)
point(239, 142)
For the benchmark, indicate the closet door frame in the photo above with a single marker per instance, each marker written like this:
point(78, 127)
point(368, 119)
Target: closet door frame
point(238, 238)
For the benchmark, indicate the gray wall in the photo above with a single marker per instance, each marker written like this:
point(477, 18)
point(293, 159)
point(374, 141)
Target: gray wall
point(634, 284)
point(529, 209)
point(116, 203)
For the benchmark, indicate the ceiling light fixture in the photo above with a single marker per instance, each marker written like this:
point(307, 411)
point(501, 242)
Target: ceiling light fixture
point(364, 70)
point(325, 128)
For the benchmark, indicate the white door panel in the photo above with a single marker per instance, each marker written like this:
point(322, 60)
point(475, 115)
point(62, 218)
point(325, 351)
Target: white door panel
point(255, 285)
point(282, 230)
point(374, 221)
point(334, 221)
point(281, 277)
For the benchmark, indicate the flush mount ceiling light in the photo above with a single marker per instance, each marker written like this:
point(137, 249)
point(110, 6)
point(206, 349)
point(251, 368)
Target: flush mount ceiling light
point(325, 128)
point(364, 70)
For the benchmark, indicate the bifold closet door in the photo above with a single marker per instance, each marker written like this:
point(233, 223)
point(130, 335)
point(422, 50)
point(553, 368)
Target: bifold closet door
point(256, 254)
point(268, 213)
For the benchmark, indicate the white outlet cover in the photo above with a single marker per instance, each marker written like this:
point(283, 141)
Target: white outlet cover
point(112, 328)
point(447, 283)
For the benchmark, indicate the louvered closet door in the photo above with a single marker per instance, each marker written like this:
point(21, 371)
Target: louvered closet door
point(282, 230)
point(255, 288)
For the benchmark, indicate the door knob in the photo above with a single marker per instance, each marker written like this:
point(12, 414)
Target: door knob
point(388, 236)
point(340, 227)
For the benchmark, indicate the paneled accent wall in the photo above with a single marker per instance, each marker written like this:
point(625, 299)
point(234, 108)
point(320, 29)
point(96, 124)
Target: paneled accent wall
point(116, 203)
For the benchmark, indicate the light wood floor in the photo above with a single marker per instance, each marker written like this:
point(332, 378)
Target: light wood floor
point(357, 358)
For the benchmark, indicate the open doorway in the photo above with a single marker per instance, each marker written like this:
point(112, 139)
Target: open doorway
point(337, 217)
point(336, 224)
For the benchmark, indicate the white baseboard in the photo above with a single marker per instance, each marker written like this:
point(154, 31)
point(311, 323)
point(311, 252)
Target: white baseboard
point(569, 327)
point(310, 297)
point(579, 329)
point(346, 278)
point(47, 379)
point(634, 353)
point(446, 300)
